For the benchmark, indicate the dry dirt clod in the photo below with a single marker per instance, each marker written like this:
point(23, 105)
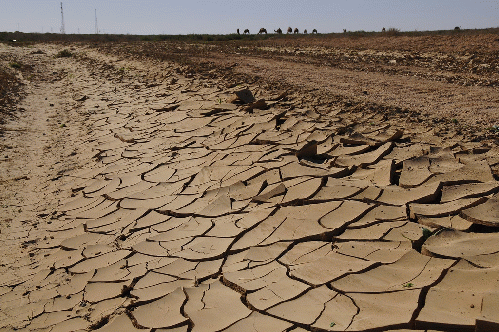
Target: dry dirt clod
point(244, 96)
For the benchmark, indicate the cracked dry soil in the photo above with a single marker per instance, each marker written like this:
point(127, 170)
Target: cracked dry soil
point(139, 194)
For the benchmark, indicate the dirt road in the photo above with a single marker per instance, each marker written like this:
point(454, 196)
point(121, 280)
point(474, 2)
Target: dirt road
point(278, 195)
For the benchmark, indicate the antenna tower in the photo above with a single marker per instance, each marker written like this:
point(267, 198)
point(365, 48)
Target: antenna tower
point(96, 26)
point(63, 29)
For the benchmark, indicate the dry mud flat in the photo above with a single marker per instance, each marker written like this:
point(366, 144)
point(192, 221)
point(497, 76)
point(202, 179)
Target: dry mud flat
point(177, 203)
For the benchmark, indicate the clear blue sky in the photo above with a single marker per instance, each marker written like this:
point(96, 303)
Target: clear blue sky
point(225, 16)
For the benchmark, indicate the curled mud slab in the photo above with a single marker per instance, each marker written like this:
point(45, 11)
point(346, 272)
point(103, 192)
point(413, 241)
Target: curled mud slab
point(175, 201)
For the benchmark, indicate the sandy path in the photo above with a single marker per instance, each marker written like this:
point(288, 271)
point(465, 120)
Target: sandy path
point(40, 145)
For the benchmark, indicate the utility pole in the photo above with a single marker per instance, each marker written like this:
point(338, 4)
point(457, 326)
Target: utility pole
point(63, 29)
point(96, 26)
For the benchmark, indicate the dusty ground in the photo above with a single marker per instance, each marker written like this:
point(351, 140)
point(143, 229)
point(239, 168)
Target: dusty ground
point(138, 193)
point(442, 77)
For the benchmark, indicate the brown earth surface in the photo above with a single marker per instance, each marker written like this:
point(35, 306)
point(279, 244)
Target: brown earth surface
point(298, 184)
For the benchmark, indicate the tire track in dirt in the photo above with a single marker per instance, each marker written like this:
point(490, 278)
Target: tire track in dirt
point(474, 105)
